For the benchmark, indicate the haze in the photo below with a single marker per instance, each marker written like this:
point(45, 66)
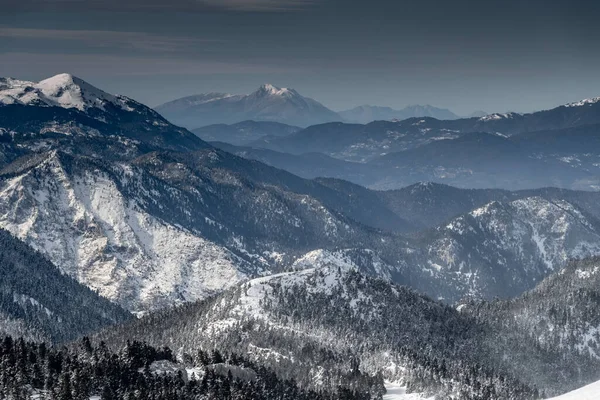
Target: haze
point(461, 55)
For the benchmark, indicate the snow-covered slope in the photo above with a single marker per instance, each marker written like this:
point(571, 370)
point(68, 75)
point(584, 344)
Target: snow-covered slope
point(589, 392)
point(171, 228)
point(508, 247)
point(365, 260)
point(584, 102)
point(84, 222)
point(63, 90)
point(267, 103)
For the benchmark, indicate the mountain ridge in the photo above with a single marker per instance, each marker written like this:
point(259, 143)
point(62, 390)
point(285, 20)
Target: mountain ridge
point(368, 113)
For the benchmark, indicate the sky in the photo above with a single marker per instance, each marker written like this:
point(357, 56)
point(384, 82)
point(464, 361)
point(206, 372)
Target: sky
point(463, 55)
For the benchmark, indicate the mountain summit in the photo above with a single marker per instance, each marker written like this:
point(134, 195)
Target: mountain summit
point(367, 113)
point(267, 103)
point(63, 90)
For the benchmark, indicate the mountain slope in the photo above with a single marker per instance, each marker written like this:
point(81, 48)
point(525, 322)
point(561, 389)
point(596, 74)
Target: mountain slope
point(560, 314)
point(139, 371)
point(365, 142)
point(315, 324)
point(41, 304)
point(307, 165)
point(481, 160)
point(244, 132)
point(359, 143)
point(366, 113)
point(267, 103)
point(429, 204)
point(320, 325)
point(80, 214)
point(506, 248)
point(172, 227)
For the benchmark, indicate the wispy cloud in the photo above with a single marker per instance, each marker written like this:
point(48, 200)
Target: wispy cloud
point(108, 39)
point(259, 5)
point(158, 5)
point(21, 65)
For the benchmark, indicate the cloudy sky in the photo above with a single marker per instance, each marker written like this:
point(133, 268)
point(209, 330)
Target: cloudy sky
point(464, 55)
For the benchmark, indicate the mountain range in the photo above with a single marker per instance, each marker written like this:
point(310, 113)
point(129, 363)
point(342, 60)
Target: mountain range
point(175, 226)
point(557, 147)
point(273, 104)
point(260, 279)
point(366, 113)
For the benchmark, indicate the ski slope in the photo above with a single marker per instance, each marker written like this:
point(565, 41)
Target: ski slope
point(589, 392)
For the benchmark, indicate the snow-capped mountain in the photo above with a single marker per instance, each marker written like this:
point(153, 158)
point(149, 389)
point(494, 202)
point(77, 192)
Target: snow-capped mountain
point(429, 204)
point(584, 103)
point(367, 113)
point(170, 228)
point(63, 90)
point(267, 103)
point(65, 109)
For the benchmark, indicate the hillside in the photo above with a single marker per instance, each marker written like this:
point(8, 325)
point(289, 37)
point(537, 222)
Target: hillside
point(39, 303)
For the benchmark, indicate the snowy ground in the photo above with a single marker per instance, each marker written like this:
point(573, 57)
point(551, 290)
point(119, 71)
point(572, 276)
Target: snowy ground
point(589, 392)
point(397, 392)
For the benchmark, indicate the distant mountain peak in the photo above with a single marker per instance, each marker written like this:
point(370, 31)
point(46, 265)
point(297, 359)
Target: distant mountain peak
point(273, 90)
point(267, 103)
point(584, 102)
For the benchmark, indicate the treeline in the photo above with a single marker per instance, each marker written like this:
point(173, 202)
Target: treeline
point(139, 372)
